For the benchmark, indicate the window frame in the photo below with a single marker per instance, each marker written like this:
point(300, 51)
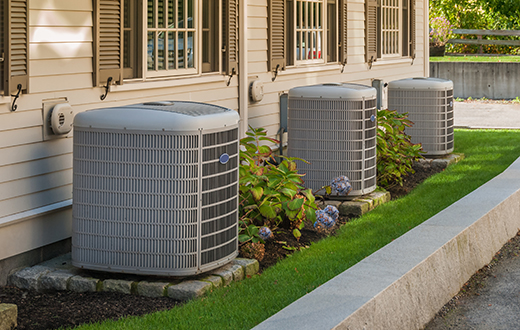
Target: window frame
point(111, 59)
point(374, 31)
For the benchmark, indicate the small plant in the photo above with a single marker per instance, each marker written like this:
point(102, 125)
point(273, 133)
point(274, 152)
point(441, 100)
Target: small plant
point(271, 194)
point(440, 31)
point(395, 152)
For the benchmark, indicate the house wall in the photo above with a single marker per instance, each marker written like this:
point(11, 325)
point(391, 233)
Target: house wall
point(36, 175)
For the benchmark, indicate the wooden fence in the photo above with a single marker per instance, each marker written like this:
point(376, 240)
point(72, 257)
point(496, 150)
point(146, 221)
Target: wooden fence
point(480, 41)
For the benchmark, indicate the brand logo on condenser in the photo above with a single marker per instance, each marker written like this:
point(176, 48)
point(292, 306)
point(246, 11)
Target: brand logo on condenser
point(224, 158)
point(372, 118)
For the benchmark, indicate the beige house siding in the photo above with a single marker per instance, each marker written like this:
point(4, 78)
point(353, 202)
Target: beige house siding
point(36, 175)
point(266, 112)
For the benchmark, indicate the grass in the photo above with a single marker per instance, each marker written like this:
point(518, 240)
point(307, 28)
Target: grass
point(244, 304)
point(475, 58)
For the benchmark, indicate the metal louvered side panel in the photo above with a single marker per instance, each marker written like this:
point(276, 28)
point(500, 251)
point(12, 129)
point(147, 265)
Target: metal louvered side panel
point(136, 202)
point(219, 223)
point(337, 137)
point(432, 115)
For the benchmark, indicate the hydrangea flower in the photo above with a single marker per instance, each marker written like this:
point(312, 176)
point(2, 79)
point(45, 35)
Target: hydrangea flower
point(323, 220)
point(341, 185)
point(332, 211)
point(265, 233)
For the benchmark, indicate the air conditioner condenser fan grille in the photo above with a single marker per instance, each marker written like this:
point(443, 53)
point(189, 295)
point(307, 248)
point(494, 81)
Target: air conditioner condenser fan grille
point(155, 202)
point(336, 134)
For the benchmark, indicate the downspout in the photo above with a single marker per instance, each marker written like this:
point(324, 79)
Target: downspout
point(426, 34)
point(243, 83)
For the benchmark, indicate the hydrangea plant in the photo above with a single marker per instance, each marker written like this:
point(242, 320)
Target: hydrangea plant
point(323, 220)
point(440, 31)
point(341, 185)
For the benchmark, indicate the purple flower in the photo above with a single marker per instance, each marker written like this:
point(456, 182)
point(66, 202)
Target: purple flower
point(341, 185)
point(332, 211)
point(265, 233)
point(323, 220)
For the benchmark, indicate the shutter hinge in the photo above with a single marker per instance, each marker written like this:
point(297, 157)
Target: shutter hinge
point(2, 57)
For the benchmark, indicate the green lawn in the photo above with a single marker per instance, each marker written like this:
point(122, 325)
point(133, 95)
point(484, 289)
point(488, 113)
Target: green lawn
point(475, 58)
point(244, 304)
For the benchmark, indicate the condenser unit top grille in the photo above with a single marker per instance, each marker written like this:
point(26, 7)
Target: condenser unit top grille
point(175, 116)
point(421, 84)
point(333, 91)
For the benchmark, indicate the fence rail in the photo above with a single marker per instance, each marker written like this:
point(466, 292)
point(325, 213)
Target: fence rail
point(480, 41)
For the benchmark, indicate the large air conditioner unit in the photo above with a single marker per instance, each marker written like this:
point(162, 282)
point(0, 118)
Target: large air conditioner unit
point(429, 104)
point(155, 188)
point(334, 128)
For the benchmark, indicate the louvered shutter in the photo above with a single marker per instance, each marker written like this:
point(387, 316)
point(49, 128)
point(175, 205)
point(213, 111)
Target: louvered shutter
point(108, 42)
point(343, 21)
point(3, 10)
point(230, 36)
point(276, 46)
point(413, 27)
point(371, 30)
point(17, 51)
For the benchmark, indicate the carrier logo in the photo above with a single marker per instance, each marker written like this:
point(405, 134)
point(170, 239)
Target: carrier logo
point(224, 158)
point(372, 118)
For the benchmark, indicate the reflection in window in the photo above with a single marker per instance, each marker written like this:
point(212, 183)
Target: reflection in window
point(171, 34)
point(309, 30)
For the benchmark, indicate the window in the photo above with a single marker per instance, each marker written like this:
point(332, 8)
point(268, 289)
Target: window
point(13, 46)
point(390, 29)
point(305, 32)
point(164, 38)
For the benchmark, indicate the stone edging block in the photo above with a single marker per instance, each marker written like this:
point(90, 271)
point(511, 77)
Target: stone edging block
point(188, 290)
point(251, 266)
point(117, 286)
point(8, 316)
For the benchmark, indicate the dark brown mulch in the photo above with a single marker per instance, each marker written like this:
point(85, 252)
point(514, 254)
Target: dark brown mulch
point(39, 311)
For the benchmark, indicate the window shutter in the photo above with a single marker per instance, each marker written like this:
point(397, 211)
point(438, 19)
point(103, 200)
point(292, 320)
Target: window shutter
point(276, 46)
point(413, 27)
point(371, 31)
point(343, 24)
point(3, 54)
point(16, 49)
point(230, 37)
point(108, 42)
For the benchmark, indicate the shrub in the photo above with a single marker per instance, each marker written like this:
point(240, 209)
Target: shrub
point(271, 194)
point(395, 152)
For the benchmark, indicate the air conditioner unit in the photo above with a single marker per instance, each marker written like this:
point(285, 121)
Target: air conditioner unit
point(429, 104)
point(155, 188)
point(334, 127)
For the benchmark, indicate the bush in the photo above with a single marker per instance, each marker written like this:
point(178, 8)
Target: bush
point(395, 151)
point(271, 194)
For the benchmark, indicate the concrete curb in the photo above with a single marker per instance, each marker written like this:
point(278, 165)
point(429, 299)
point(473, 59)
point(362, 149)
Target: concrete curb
point(404, 284)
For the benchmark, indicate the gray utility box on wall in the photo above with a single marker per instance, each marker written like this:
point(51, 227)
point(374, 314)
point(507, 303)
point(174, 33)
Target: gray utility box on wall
point(429, 104)
point(155, 188)
point(334, 127)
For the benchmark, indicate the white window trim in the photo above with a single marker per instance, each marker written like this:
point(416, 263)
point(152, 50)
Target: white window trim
point(167, 81)
point(298, 63)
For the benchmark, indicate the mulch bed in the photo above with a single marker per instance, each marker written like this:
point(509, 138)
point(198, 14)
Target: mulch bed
point(40, 311)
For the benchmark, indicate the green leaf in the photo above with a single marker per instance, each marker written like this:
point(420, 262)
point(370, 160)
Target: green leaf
point(288, 192)
point(295, 204)
point(328, 190)
point(310, 214)
point(296, 233)
point(243, 238)
point(268, 211)
point(257, 193)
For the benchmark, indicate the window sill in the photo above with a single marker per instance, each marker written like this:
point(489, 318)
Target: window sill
point(383, 62)
point(5, 99)
point(311, 68)
point(170, 82)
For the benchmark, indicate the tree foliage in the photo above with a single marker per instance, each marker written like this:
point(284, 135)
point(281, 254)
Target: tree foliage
point(480, 15)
